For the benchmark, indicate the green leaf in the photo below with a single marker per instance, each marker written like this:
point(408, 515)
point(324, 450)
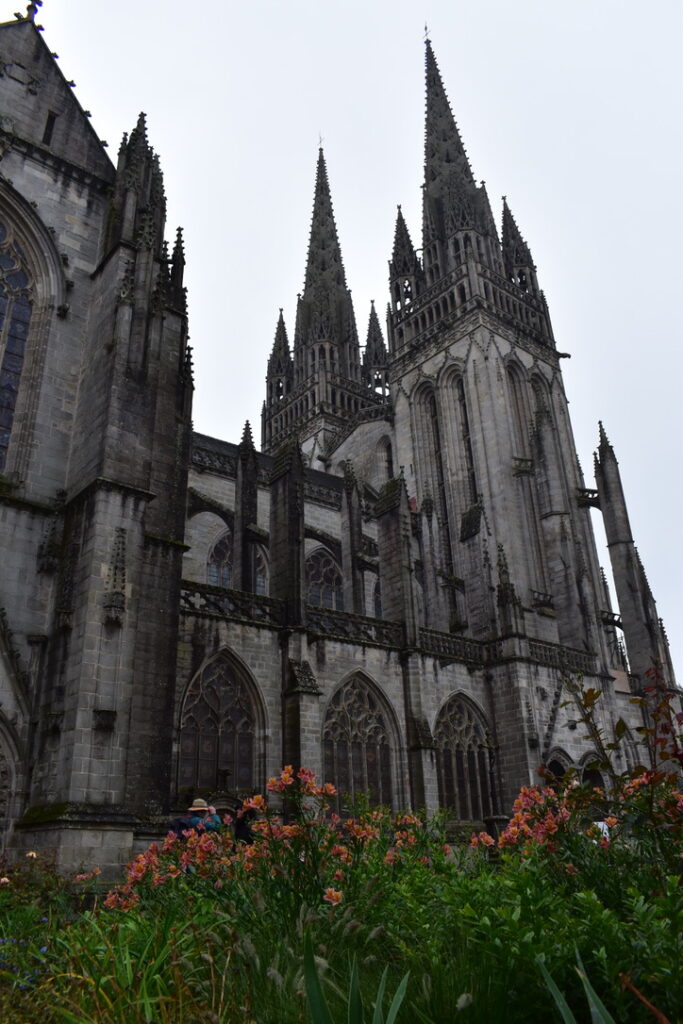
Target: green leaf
point(378, 1015)
point(320, 1011)
point(567, 1015)
point(620, 729)
point(397, 1000)
point(599, 1012)
point(355, 1001)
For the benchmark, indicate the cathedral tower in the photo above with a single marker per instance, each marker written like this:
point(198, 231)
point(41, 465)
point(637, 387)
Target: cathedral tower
point(318, 390)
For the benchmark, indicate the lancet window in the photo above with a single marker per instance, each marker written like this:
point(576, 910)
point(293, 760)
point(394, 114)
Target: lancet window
point(324, 581)
point(218, 731)
point(358, 745)
point(260, 571)
point(15, 318)
point(464, 761)
point(219, 562)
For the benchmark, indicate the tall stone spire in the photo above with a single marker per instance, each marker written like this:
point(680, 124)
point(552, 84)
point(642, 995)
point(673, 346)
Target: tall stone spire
point(324, 267)
point(445, 156)
point(324, 392)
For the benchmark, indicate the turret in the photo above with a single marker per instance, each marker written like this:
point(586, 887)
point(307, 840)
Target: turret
point(375, 357)
point(644, 635)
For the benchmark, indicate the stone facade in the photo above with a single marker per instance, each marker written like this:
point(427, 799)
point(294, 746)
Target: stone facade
point(392, 592)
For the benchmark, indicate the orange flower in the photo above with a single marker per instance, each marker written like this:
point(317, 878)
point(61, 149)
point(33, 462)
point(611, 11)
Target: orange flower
point(254, 803)
point(332, 896)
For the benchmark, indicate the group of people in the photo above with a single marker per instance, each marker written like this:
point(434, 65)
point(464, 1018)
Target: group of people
point(202, 817)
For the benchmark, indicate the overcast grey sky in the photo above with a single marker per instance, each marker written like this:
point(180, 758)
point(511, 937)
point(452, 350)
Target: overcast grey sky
point(572, 110)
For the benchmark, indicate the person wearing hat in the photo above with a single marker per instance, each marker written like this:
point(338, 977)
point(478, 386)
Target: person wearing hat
point(199, 816)
point(203, 816)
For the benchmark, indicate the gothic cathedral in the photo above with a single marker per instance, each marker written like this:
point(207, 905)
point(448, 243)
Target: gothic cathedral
point(392, 591)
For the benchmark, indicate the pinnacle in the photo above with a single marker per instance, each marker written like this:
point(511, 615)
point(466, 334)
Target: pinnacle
point(247, 439)
point(403, 257)
point(516, 252)
point(280, 355)
point(375, 349)
point(604, 441)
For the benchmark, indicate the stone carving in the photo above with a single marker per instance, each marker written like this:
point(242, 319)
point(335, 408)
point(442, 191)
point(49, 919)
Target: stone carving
point(301, 678)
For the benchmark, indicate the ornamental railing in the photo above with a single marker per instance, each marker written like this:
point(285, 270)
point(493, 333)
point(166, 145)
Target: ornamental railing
point(457, 648)
point(203, 599)
point(357, 628)
point(566, 658)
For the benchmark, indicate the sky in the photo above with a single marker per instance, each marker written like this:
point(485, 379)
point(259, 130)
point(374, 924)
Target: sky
point(571, 110)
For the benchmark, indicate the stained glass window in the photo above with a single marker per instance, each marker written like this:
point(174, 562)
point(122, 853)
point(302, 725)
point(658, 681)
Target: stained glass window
point(218, 731)
point(357, 744)
point(219, 563)
point(324, 581)
point(15, 317)
point(464, 761)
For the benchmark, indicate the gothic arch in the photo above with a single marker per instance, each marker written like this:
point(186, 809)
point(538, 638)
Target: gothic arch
point(452, 369)
point(219, 560)
point(10, 780)
point(384, 452)
point(324, 580)
point(44, 294)
point(589, 772)
point(464, 759)
point(360, 742)
point(557, 763)
point(221, 729)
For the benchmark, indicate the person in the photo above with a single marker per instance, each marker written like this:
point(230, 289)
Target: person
point(241, 826)
point(200, 817)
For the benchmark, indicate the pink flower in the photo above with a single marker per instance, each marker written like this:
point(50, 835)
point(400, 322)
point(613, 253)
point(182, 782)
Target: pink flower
point(332, 896)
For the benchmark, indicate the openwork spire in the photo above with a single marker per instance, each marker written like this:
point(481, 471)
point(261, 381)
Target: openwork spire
point(324, 267)
point(445, 156)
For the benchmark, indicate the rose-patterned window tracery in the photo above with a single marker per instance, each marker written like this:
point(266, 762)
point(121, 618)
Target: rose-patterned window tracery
point(15, 318)
point(219, 562)
point(358, 748)
point(218, 731)
point(324, 581)
point(464, 761)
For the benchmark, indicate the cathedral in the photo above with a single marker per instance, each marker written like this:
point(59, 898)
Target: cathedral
point(392, 589)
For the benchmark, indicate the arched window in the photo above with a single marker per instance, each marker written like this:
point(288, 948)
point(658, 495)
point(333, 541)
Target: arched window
point(218, 731)
point(219, 562)
point(357, 744)
point(324, 581)
point(15, 317)
point(260, 571)
point(464, 761)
